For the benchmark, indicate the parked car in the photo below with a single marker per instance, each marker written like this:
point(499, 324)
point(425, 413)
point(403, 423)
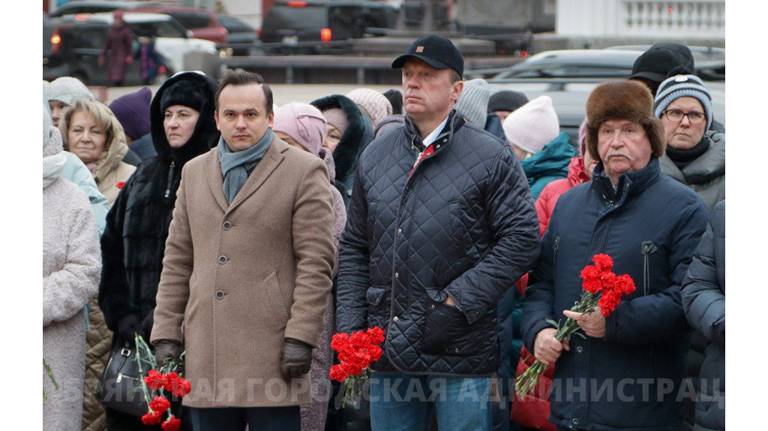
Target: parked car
point(76, 7)
point(709, 60)
point(242, 36)
point(569, 97)
point(302, 25)
point(72, 45)
point(201, 23)
point(574, 63)
point(614, 62)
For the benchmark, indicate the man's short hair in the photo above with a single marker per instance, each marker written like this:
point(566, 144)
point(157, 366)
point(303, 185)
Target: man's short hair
point(455, 77)
point(243, 77)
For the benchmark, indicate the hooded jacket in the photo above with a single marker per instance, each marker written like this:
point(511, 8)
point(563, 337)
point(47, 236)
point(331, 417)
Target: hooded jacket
point(545, 204)
point(549, 164)
point(358, 135)
point(462, 224)
point(137, 225)
point(705, 174)
point(650, 225)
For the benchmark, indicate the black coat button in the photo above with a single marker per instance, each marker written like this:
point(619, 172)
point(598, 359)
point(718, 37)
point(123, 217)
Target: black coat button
point(223, 260)
point(219, 294)
point(227, 225)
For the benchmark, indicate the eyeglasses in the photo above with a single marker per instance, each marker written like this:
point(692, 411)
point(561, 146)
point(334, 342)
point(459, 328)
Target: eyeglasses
point(676, 115)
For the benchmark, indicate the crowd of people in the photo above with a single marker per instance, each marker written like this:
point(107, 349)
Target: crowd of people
point(239, 235)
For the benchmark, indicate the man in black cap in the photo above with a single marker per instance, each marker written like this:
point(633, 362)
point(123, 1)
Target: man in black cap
point(441, 224)
point(655, 65)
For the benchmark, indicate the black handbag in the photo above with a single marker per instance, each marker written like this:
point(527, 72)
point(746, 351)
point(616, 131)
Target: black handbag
point(120, 387)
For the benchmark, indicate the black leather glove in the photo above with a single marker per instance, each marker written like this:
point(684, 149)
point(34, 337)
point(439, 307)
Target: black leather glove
point(128, 326)
point(146, 324)
point(167, 350)
point(296, 358)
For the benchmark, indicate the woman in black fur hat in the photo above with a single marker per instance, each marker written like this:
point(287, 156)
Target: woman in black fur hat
point(182, 125)
point(348, 134)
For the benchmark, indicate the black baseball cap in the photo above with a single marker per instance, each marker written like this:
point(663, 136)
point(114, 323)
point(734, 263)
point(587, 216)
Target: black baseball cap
point(436, 51)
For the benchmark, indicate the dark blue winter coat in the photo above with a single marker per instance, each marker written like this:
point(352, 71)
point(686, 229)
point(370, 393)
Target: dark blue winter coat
point(650, 226)
point(462, 225)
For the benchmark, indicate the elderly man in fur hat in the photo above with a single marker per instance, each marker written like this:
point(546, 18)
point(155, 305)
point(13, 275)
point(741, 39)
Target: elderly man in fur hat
point(626, 373)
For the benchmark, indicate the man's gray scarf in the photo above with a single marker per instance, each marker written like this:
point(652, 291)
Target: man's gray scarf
point(236, 166)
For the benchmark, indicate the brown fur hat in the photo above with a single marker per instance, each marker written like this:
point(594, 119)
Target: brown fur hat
point(627, 100)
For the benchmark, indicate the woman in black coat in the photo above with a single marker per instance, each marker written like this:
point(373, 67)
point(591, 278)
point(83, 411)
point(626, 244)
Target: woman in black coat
point(133, 243)
point(704, 304)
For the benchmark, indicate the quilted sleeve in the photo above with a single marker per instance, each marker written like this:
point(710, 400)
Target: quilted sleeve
point(703, 297)
point(513, 221)
point(352, 278)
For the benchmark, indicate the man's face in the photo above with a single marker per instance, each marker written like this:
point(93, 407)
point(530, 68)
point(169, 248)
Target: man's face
point(684, 134)
point(502, 115)
point(57, 110)
point(242, 115)
point(623, 147)
point(428, 92)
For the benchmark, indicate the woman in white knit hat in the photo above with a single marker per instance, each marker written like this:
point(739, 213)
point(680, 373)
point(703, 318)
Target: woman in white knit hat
point(533, 131)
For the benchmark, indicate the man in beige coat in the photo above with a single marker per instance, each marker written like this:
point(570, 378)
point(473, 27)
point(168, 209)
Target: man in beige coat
point(247, 269)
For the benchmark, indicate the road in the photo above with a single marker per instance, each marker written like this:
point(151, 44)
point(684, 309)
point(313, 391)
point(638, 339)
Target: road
point(283, 93)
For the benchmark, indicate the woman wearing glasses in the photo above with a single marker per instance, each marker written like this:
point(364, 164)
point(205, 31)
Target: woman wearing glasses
point(695, 155)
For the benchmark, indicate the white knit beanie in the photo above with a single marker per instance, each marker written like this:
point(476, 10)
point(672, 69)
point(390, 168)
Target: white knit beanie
point(473, 102)
point(372, 102)
point(533, 125)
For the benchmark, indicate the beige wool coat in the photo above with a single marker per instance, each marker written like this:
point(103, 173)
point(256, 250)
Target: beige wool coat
point(239, 278)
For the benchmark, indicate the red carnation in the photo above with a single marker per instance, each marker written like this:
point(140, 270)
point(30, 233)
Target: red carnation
point(170, 380)
point(159, 404)
point(625, 284)
point(154, 380)
point(152, 418)
point(180, 387)
point(338, 374)
point(376, 334)
point(120, 185)
point(172, 424)
point(590, 276)
point(603, 261)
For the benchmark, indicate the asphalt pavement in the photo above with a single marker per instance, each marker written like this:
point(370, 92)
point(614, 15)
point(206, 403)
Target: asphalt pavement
point(283, 93)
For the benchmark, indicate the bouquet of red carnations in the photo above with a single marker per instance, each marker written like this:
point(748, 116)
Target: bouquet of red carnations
point(356, 351)
point(600, 287)
point(157, 385)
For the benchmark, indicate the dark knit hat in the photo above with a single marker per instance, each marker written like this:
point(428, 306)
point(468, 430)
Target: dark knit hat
point(395, 98)
point(506, 100)
point(661, 59)
point(183, 92)
point(625, 100)
point(679, 86)
point(132, 110)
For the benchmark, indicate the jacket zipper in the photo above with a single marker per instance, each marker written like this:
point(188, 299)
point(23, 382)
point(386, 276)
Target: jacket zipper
point(647, 249)
point(167, 193)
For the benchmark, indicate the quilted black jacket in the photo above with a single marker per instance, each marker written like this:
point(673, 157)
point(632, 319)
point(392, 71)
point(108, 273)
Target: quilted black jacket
point(462, 225)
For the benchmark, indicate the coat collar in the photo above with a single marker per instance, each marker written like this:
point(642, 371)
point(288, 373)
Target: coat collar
point(413, 136)
point(630, 184)
point(261, 172)
point(705, 168)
